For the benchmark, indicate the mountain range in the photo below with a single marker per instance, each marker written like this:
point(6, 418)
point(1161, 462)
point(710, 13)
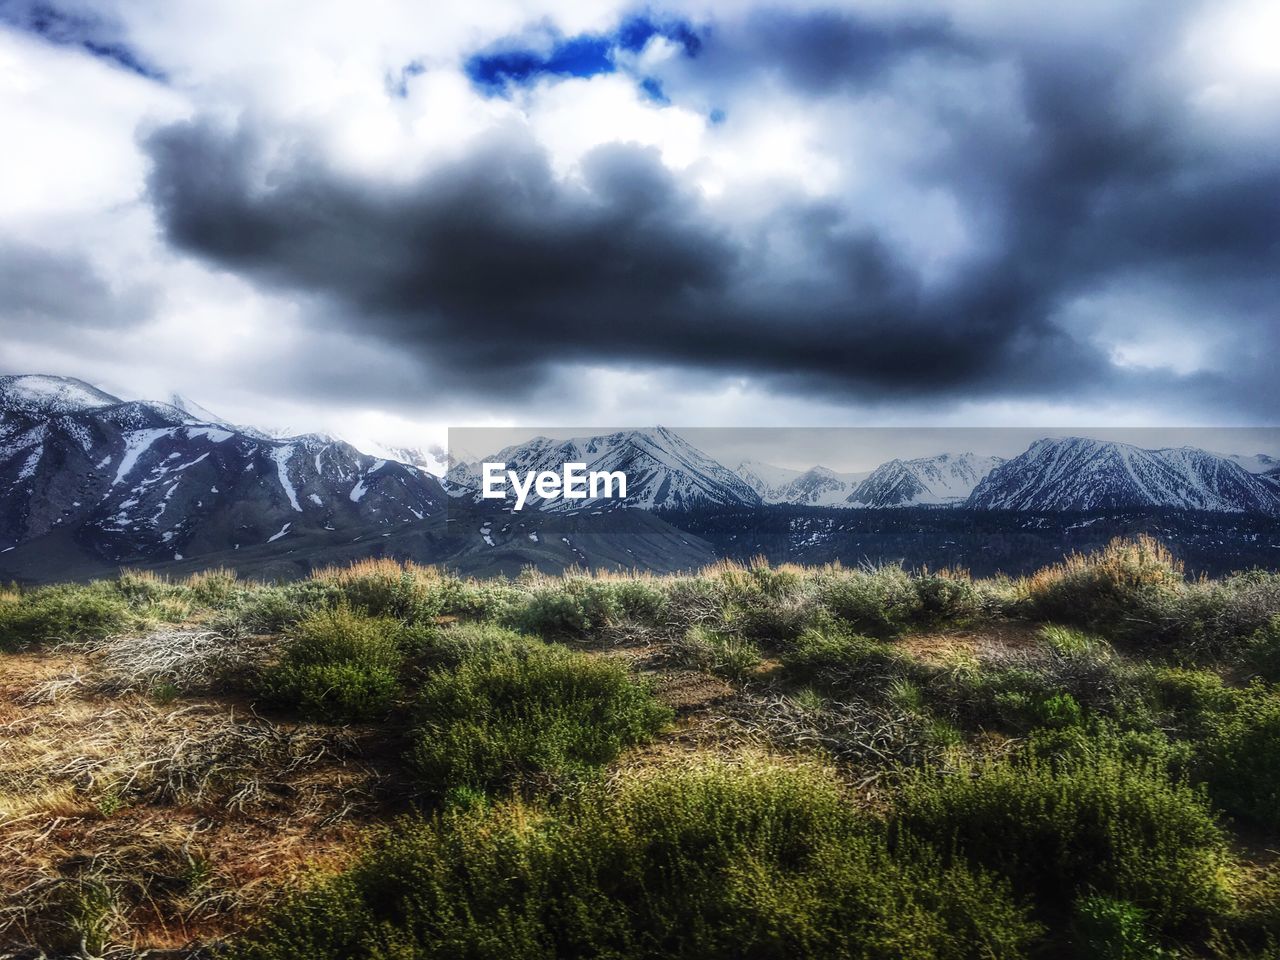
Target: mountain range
point(137, 481)
point(89, 481)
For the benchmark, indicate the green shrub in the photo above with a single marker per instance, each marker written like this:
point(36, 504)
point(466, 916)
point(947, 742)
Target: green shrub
point(505, 717)
point(463, 641)
point(765, 603)
point(880, 602)
point(1085, 825)
point(338, 665)
point(1239, 761)
point(62, 613)
point(945, 598)
point(272, 609)
point(1107, 929)
point(642, 600)
point(572, 608)
point(703, 864)
point(713, 651)
point(1262, 653)
point(834, 658)
point(1128, 588)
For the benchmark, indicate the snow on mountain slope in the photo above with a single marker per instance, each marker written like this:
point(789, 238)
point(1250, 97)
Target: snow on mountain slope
point(1256, 462)
point(199, 414)
point(943, 479)
point(431, 459)
point(663, 470)
point(46, 396)
point(1077, 473)
point(141, 480)
point(817, 486)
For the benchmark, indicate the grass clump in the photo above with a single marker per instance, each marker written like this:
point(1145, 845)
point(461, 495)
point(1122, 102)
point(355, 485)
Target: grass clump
point(338, 664)
point(714, 651)
point(1121, 587)
point(382, 587)
point(708, 862)
point(1089, 825)
point(834, 658)
point(517, 711)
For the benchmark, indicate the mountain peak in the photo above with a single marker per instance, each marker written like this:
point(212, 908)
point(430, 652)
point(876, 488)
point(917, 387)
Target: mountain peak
point(1084, 474)
point(50, 396)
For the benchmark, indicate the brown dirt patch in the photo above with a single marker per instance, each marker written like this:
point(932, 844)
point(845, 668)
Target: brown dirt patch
point(990, 641)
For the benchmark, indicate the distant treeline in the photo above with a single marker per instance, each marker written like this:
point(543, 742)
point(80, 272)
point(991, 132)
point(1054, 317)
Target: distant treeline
point(984, 542)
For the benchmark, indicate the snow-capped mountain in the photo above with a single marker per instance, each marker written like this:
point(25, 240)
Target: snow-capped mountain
point(817, 486)
point(42, 397)
point(138, 480)
point(1077, 473)
point(1257, 463)
point(943, 479)
point(431, 459)
point(663, 470)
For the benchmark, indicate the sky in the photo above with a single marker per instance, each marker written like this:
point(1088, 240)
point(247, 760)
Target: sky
point(386, 219)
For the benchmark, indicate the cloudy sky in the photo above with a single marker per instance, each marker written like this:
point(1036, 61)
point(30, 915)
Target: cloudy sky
point(385, 218)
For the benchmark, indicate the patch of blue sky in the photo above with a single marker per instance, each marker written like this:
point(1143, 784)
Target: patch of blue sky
point(585, 55)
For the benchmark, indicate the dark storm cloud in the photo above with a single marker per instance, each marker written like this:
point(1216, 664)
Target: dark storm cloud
point(821, 51)
point(495, 272)
point(47, 292)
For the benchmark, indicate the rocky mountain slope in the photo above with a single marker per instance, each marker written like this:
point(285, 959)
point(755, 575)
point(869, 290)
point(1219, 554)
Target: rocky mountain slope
point(137, 481)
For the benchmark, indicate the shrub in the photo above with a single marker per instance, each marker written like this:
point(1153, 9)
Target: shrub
point(948, 596)
point(213, 588)
point(835, 658)
point(506, 716)
point(572, 608)
point(62, 613)
point(1240, 759)
point(1216, 619)
point(641, 599)
point(463, 641)
point(338, 665)
point(476, 599)
point(880, 602)
point(272, 609)
point(765, 603)
point(1087, 825)
point(692, 601)
point(713, 651)
point(1125, 587)
point(1262, 653)
point(706, 863)
point(383, 587)
point(1107, 929)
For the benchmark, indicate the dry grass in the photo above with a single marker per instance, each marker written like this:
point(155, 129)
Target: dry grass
point(166, 823)
point(1140, 562)
point(375, 568)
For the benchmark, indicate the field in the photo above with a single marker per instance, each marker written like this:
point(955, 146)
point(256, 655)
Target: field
point(391, 761)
